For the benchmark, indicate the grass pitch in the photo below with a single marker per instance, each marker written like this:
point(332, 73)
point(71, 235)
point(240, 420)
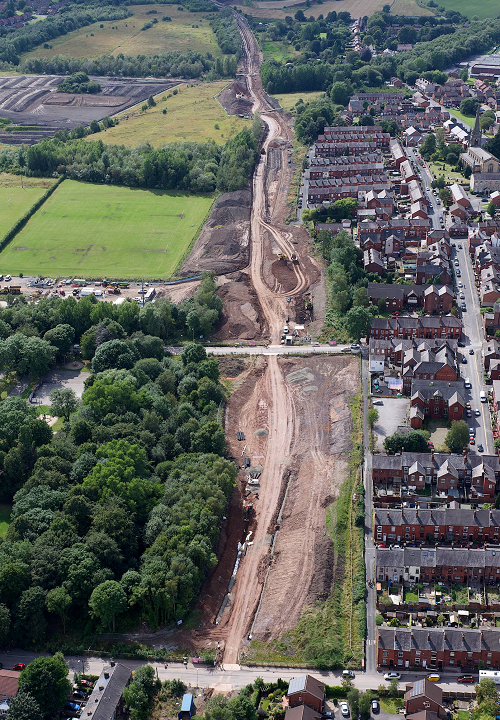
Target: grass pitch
point(289, 100)
point(97, 230)
point(17, 195)
point(357, 8)
point(186, 31)
point(482, 10)
point(193, 114)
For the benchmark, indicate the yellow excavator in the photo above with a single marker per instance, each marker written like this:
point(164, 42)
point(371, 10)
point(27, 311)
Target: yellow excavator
point(283, 256)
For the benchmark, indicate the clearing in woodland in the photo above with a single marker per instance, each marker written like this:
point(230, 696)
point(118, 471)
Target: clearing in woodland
point(357, 8)
point(98, 230)
point(302, 442)
point(289, 100)
point(193, 114)
point(186, 31)
point(17, 195)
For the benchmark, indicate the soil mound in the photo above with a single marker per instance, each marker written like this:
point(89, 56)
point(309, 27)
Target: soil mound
point(223, 244)
point(235, 98)
point(242, 315)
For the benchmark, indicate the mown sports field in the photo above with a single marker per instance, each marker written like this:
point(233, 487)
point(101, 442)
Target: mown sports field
point(97, 230)
point(185, 31)
point(17, 195)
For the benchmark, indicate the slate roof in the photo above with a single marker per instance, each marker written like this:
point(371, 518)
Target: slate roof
point(9, 682)
point(425, 688)
point(102, 704)
point(301, 712)
point(306, 683)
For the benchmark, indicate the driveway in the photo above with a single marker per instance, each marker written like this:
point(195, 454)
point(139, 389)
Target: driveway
point(391, 414)
point(57, 380)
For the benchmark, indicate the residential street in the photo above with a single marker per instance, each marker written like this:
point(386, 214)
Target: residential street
point(233, 676)
point(474, 338)
point(435, 210)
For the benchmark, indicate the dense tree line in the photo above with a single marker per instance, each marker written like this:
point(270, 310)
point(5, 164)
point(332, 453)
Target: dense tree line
point(138, 467)
point(197, 167)
point(167, 64)
point(30, 36)
point(79, 83)
point(227, 33)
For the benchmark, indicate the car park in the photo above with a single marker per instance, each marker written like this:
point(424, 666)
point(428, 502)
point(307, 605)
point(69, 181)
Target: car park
point(392, 676)
point(344, 708)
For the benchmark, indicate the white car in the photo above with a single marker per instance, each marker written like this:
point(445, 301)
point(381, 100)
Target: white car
point(344, 708)
point(8, 277)
point(252, 481)
point(392, 676)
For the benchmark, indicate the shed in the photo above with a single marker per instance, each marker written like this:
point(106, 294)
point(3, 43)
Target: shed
point(187, 708)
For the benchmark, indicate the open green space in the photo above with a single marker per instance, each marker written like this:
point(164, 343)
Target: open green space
point(186, 31)
point(448, 173)
point(463, 715)
point(289, 100)
point(17, 195)
point(278, 50)
point(391, 705)
point(193, 114)
point(4, 518)
point(97, 230)
point(482, 10)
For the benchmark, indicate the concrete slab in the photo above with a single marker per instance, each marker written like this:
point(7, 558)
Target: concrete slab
point(57, 380)
point(392, 413)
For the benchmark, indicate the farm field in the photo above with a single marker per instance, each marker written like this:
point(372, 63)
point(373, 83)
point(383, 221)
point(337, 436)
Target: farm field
point(289, 100)
point(192, 114)
point(485, 9)
point(277, 50)
point(357, 8)
point(187, 31)
point(17, 196)
point(98, 230)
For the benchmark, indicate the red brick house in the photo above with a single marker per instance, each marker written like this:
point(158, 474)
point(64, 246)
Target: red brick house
point(437, 648)
point(306, 690)
point(442, 326)
point(435, 398)
point(301, 712)
point(424, 695)
point(440, 524)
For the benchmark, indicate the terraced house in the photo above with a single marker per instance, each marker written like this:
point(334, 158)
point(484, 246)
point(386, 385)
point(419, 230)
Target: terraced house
point(440, 524)
point(438, 564)
point(442, 326)
point(438, 648)
point(477, 475)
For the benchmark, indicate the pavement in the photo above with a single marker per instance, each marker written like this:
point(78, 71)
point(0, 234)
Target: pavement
point(371, 643)
point(274, 350)
point(474, 338)
point(59, 379)
point(391, 414)
point(435, 210)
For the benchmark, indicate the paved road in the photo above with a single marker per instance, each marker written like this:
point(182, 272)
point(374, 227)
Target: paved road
point(435, 210)
point(473, 330)
point(370, 653)
point(233, 676)
point(275, 350)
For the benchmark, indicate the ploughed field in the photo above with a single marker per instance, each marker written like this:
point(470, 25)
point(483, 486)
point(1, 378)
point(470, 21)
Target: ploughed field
point(37, 110)
point(101, 230)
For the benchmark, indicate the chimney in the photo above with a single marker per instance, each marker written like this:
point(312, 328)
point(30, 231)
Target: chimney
point(428, 637)
point(463, 637)
point(474, 514)
point(432, 455)
point(491, 515)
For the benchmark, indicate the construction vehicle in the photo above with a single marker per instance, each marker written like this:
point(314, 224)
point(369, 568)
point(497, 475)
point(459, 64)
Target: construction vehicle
point(295, 259)
point(15, 290)
point(283, 256)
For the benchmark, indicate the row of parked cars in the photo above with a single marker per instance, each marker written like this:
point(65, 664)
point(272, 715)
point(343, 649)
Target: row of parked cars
point(80, 692)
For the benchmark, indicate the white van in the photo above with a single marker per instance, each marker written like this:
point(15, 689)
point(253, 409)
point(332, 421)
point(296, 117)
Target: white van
point(468, 383)
point(482, 396)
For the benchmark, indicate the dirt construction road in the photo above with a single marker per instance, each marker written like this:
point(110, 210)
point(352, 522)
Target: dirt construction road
point(289, 409)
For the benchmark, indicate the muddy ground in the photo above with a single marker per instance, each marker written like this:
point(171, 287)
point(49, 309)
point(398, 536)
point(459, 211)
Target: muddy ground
point(33, 100)
point(223, 244)
point(235, 98)
point(242, 317)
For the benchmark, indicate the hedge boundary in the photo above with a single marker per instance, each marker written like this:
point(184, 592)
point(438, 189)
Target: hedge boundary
point(19, 225)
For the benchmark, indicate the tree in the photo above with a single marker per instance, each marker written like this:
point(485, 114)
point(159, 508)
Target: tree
point(428, 147)
point(114, 354)
point(491, 208)
point(24, 707)
point(63, 402)
point(372, 416)
point(365, 701)
point(469, 106)
point(4, 624)
point(140, 693)
point(59, 601)
point(340, 93)
point(357, 322)
point(353, 700)
point(393, 690)
point(61, 336)
point(413, 441)
point(458, 436)
point(193, 353)
point(46, 680)
point(151, 101)
point(107, 601)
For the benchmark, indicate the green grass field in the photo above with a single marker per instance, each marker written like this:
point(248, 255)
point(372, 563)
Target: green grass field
point(281, 8)
point(288, 100)
point(278, 50)
point(17, 195)
point(187, 31)
point(482, 10)
point(4, 518)
point(98, 230)
point(192, 114)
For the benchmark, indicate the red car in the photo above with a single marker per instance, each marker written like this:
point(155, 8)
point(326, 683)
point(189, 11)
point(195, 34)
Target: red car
point(465, 679)
point(19, 666)
point(86, 683)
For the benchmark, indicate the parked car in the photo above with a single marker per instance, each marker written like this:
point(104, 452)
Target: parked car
point(392, 676)
point(471, 351)
point(72, 706)
point(465, 679)
point(344, 708)
point(434, 677)
point(348, 674)
point(480, 448)
point(477, 412)
point(375, 706)
point(87, 683)
point(80, 694)
point(464, 360)
point(472, 440)
point(19, 666)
